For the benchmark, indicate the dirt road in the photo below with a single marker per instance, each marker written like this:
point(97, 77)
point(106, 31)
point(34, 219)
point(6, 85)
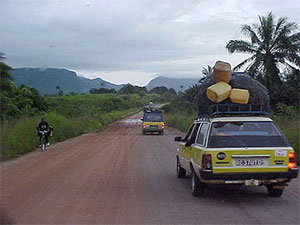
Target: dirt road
point(120, 176)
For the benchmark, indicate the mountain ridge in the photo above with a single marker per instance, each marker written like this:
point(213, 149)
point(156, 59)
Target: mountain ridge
point(178, 84)
point(46, 81)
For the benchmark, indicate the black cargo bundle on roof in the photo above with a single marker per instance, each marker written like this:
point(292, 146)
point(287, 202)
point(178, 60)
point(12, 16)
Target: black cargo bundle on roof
point(259, 95)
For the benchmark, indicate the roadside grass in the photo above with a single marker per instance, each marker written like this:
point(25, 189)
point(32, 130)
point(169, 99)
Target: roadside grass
point(70, 116)
point(290, 127)
point(19, 137)
point(96, 104)
point(181, 121)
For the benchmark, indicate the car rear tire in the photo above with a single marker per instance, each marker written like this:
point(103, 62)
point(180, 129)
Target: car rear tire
point(197, 185)
point(181, 173)
point(274, 192)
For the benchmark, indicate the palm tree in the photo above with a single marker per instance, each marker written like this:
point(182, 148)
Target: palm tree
point(206, 71)
point(272, 45)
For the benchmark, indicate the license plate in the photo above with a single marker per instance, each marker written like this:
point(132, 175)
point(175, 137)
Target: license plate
point(152, 126)
point(250, 162)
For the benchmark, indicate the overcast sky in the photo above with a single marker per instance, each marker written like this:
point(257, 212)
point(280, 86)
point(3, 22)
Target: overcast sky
point(129, 41)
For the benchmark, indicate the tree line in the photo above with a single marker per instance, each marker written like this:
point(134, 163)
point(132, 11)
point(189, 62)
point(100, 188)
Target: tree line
point(134, 89)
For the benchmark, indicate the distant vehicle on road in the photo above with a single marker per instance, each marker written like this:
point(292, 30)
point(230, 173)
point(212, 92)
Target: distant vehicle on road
point(150, 107)
point(242, 147)
point(153, 122)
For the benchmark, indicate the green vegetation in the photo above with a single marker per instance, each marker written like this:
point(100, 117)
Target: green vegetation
point(167, 94)
point(102, 90)
point(17, 101)
point(206, 71)
point(287, 118)
point(272, 45)
point(180, 113)
point(71, 116)
point(20, 136)
point(96, 105)
point(182, 121)
point(132, 89)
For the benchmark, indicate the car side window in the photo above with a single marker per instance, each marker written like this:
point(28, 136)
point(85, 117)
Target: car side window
point(188, 135)
point(201, 134)
point(194, 133)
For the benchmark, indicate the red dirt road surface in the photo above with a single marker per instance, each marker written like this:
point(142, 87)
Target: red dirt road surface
point(119, 176)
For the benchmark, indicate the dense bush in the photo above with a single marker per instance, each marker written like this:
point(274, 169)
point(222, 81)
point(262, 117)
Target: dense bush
point(102, 91)
point(132, 89)
point(287, 118)
point(15, 101)
point(182, 121)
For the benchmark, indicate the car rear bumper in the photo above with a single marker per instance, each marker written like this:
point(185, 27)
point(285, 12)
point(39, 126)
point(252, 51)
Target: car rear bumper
point(153, 130)
point(209, 176)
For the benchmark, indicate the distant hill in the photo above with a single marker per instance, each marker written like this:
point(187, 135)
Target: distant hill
point(46, 80)
point(172, 83)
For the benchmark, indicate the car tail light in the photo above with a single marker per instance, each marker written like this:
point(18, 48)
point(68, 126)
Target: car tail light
point(163, 126)
point(292, 160)
point(291, 155)
point(206, 162)
point(144, 125)
point(291, 165)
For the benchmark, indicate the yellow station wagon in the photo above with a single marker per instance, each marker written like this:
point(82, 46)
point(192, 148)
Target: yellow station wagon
point(246, 150)
point(153, 122)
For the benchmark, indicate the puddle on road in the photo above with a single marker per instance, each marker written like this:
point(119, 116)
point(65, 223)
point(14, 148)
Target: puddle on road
point(131, 121)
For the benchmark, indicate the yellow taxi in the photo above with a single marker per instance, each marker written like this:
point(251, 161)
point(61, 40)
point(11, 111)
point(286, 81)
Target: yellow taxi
point(153, 122)
point(242, 148)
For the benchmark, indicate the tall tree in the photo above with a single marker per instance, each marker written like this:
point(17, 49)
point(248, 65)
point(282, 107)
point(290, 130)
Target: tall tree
point(5, 76)
point(206, 71)
point(272, 44)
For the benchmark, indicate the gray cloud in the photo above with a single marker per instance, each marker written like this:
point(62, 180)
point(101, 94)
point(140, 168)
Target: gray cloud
point(112, 38)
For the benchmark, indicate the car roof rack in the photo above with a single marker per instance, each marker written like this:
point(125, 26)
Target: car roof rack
point(152, 110)
point(221, 110)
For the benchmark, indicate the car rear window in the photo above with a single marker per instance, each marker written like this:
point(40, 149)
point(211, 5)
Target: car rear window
point(153, 117)
point(245, 134)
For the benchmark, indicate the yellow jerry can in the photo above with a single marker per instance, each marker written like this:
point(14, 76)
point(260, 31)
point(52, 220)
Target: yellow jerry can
point(222, 72)
point(218, 92)
point(240, 96)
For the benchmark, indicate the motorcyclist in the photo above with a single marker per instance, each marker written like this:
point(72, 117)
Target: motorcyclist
point(44, 126)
